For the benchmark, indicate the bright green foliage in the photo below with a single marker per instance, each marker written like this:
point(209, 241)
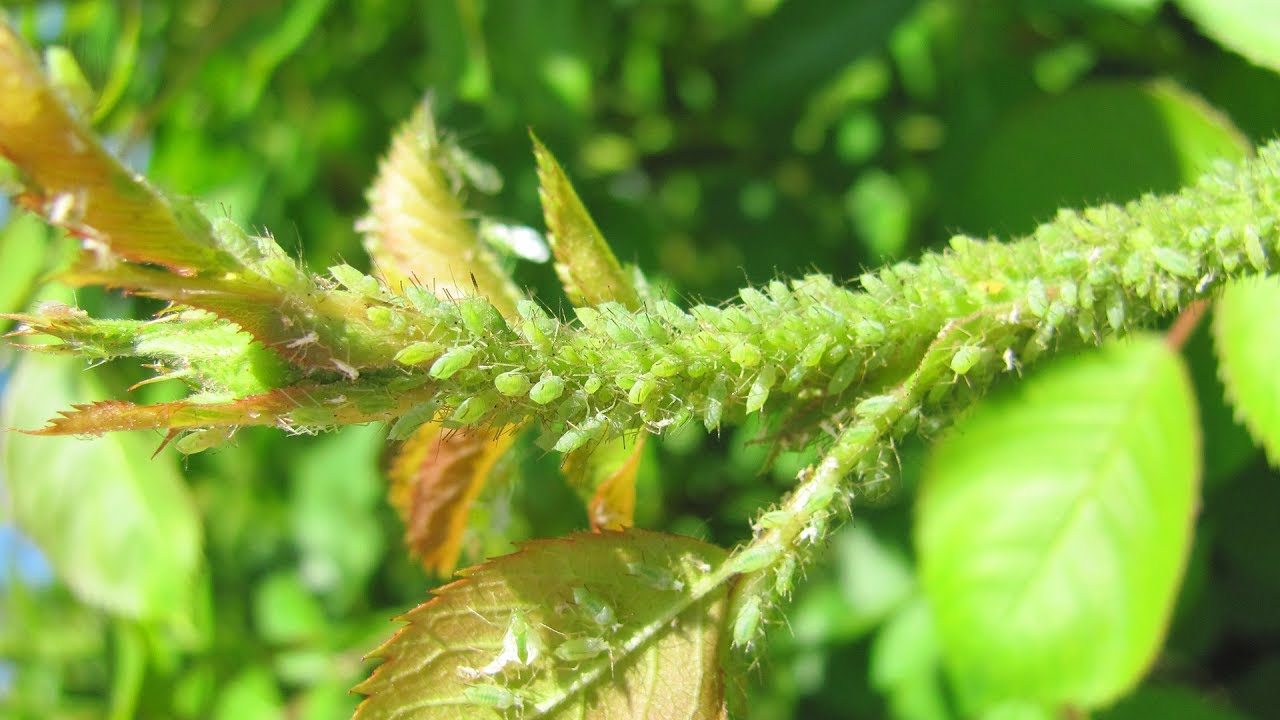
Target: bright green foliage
point(1247, 344)
point(1248, 27)
point(1086, 477)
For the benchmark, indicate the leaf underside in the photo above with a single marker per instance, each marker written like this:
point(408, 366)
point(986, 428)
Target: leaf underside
point(1246, 341)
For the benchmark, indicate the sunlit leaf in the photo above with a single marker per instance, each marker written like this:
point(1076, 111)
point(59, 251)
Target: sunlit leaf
point(563, 629)
point(117, 525)
point(417, 231)
point(436, 475)
point(1054, 526)
point(587, 267)
point(604, 475)
point(22, 246)
point(77, 184)
point(1244, 332)
point(1248, 27)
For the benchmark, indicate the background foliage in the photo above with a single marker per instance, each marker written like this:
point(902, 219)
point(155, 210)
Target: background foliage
point(716, 142)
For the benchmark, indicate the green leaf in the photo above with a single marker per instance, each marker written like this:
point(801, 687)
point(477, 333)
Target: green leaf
point(117, 524)
point(906, 665)
point(564, 628)
point(1247, 344)
point(1054, 527)
point(586, 266)
point(1247, 27)
point(23, 247)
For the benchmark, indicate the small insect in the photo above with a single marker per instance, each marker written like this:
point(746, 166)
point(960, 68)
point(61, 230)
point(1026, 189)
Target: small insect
point(600, 612)
point(581, 649)
point(657, 578)
point(747, 624)
point(548, 389)
point(521, 646)
point(754, 558)
point(494, 696)
point(452, 361)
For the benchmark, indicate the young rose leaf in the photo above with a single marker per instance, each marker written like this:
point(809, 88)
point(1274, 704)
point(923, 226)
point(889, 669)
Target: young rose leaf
point(604, 475)
point(562, 629)
point(416, 230)
point(587, 267)
point(1054, 525)
point(74, 182)
point(1247, 344)
point(436, 476)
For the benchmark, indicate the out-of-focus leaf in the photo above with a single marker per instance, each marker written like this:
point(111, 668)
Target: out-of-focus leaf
point(1054, 526)
point(117, 525)
point(1111, 142)
point(604, 476)
point(1248, 27)
point(436, 475)
point(906, 664)
point(511, 636)
point(1245, 335)
point(416, 230)
point(285, 612)
point(22, 257)
point(587, 267)
point(250, 695)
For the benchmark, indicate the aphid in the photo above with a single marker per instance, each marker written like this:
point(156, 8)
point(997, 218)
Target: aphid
point(1037, 298)
point(747, 624)
point(876, 405)
point(494, 696)
point(844, 375)
point(745, 354)
point(755, 557)
point(581, 649)
point(202, 440)
point(965, 359)
point(355, 281)
point(869, 331)
point(520, 645)
point(576, 437)
point(641, 390)
point(665, 366)
point(591, 384)
point(452, 361)
point(309, 339)
point(1253, 247)
point(512, 383)
point(548, 389)
point(600, 612)
point(519, 241)
point(759, 392)
point(472, 409)
point(715, 404)
point(479, 316)
point(417, 416)
point(1173, 262)
point(785, 575)
point(345, 369)
point(418, 353)
point(656, 578)
point(1116, 315)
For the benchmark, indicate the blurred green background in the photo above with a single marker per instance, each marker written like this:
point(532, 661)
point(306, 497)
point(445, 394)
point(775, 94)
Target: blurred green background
point(717, 143)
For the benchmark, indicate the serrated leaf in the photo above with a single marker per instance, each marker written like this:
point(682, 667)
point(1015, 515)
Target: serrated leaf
point(306, 406)
point(118, 526)
point(663, 657)
point(604, 475)
point(1054, 525)
point(77, 184)
point(1244, 334)
point(436, 475)
point(1248, 27)
point(587, 267)
point(416, 230)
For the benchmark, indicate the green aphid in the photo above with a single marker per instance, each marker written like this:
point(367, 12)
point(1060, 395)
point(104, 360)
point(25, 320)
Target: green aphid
point(641, 390)
point(759, 392)
point(581, 649)
point(472, 409)
point(480, 316)
point(418, 353)
point(592, 384)
point(656, 578)
point(202, 440)
point(665, 366)
point(423, 300)
point(512, 383)
point(597, 610)
point(576, 437)
point(876, 405)
point(521, 645)
point(844, 375)
point(494, 696)
point(745, 354)
point(715, 404)
point(355, 281)
point(755, 557)
point(548, 389)
point(416, 417)
point(869, 332)
point(452, 361)
point(965, 359)
point(747, 623)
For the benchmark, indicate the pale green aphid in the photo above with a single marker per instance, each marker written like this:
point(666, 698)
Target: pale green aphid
point(759, 392)
point(786, 572)
point(812, 354)
point(600, 612)
point(451, 362)
point(418, 353)
point(1253, 247)
point(665, 366)
point(548, 389)
point(416, 417)
point(355, 281)
point(845, 374)
point(876, 405)
point(869, 331)
point(576, 437)
point(512, 383)
point(753, 558)
point(591, 385)
point(202, 440)
point(494, 696)
point(472, 409)
point(715, 404)
point(965, 359)
point(580, 649)
point(520, 645)
point(656, 578)
point(745, 354)
point(747, 624)
point(641, 390)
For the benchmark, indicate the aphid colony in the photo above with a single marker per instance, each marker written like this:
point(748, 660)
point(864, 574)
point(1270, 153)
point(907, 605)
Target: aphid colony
point(587, 633)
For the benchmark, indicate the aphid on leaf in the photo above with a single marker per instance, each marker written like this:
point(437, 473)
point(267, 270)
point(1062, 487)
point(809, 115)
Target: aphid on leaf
point(548, 389)
point(747, 624)
point(715, 404)
point(581, 649)
point(512, 383)
point(452, 361)
point(494, 696)
point(759, 392)
point(656, 578)
point(753, 558)
point(575, 438)
point(418, 353)
point(965, 359)
point(641, 390)
point(597, 610)
point(745, 354)
point(520, 646)
point(355, 281)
